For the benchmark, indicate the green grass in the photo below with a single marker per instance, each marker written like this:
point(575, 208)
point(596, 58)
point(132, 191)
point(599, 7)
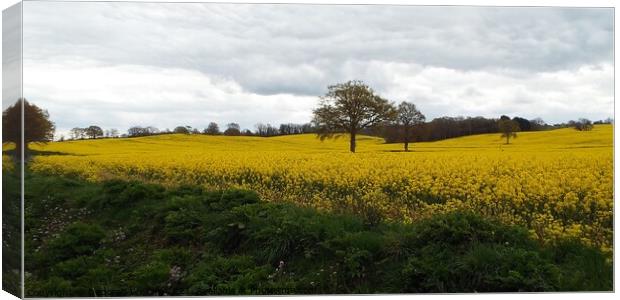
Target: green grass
point(122, 238)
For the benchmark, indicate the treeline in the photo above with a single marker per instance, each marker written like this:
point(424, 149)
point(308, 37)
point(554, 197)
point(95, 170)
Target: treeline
point(91, 132)
point(451, 127)
point(437, 129)
point(231, 129)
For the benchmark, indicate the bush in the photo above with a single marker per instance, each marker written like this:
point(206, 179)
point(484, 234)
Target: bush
point(78, 239)
point(183, 226)
point(582, 268)
point(151, 279)
point(118, 193)
point(189, 241)
point(463, 252)
point(218, 275)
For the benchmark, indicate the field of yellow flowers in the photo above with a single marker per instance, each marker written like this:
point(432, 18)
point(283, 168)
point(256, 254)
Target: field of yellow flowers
point(557, 183)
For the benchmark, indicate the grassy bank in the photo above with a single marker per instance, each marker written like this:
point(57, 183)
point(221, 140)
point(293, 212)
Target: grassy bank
point(118, 238)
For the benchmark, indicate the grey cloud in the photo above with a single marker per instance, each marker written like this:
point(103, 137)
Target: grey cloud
point(300, 49)
point(161, 64)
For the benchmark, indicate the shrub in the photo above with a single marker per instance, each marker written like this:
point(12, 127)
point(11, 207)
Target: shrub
point(231, 243)
point(151, 278)
point(78, 239)
point(117, 193)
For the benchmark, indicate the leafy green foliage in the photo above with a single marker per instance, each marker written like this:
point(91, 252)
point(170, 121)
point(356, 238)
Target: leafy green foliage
point(190, 241)
point(78, 239)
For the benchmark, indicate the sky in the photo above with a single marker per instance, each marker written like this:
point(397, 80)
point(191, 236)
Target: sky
point(119, 65)
point(11, 59)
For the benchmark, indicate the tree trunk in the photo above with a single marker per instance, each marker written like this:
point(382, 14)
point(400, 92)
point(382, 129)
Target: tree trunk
point(507, 139)
point(17, 154)
point(352, 142)
point(406, 139)
point(18, 151)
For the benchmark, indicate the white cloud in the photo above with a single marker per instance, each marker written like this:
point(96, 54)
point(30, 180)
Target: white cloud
point(83, 93)
point(556, 96)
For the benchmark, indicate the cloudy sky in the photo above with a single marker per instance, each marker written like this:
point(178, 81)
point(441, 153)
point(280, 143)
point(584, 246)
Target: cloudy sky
point(166, 64)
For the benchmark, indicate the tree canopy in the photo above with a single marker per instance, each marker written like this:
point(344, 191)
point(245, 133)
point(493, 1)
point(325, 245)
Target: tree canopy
point(212, 129)
point(37, 126)
point(582, 124)
point(508, 128)
point(232, 129)
point(409, 116)
point(349, 108)
point(94, 131)
point(182, 129)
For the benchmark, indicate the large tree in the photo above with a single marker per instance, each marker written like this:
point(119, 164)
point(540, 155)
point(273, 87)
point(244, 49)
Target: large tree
point(409, 116)
point(232, 129)
point(212, 129)
point(508, 128)
point(582, 124)
point(182, 129)
point(348, 108)
point(94, 131)
point(37, 126)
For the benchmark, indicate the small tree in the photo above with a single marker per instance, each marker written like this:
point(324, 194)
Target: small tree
point(77, 133)
point(151, 130)
point(508, 128)
point(409, 116)
point(37, 126)
point(181, 129)
point(582, 124)
point(212, 129)
point(94, 132)
point(136, 131)
point(538, 124)
point(524, 125)
point(349, 108)
point(232, 129)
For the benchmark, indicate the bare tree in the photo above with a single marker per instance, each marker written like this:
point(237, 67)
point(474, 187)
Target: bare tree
point(77, 133)
point(582, 124)
point(349, 108)
point(409, 116)
point(266, 130)
point(261, 129)
point(136, 131)
point(289, 128)
point(151, 130)
point(538, 124)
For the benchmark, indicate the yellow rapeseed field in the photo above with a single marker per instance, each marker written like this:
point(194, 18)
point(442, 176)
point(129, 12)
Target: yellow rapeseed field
point(557, 183)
